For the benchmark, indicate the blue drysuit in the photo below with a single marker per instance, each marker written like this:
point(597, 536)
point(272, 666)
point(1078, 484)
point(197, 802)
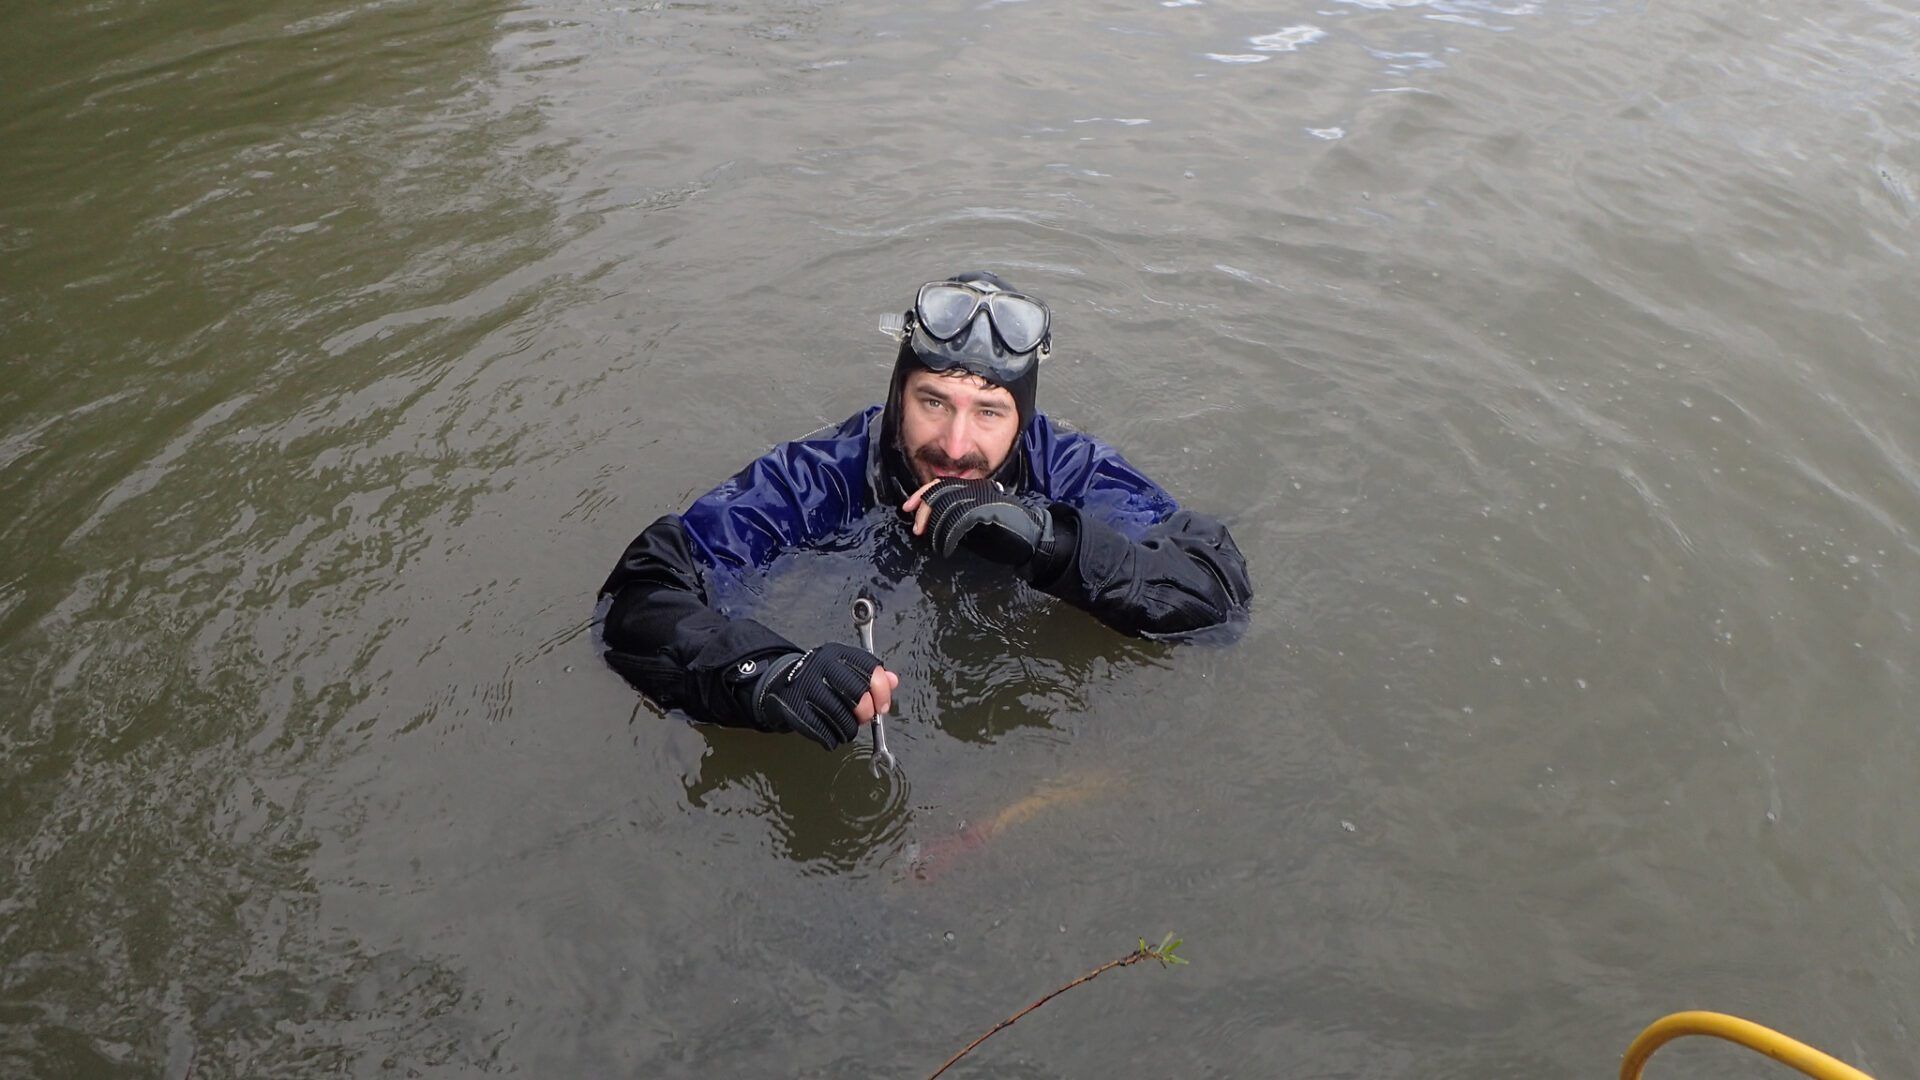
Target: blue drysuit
point(1126, 553)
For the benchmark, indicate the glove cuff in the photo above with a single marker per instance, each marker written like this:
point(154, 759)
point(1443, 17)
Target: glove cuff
point(1053, 555)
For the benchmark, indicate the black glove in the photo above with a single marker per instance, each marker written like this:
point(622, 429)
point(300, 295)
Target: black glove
point(986, 519)
point(814, 693)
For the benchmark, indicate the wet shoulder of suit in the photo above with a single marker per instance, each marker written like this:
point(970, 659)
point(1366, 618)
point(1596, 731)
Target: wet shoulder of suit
point(1125, 552)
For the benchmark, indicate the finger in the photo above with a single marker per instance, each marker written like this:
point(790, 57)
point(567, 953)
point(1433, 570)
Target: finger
point(863, 712)
point(913, 500)
point(880, 689)
point(920, 517)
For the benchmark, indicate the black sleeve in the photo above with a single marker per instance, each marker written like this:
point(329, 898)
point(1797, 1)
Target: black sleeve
point(664, 639)
point(1184, 575)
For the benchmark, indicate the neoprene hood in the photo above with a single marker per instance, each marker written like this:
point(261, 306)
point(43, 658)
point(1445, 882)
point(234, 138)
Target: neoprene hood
point(977, 351)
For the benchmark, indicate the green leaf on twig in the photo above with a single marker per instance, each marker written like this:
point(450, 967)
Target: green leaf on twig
point(1163, 952)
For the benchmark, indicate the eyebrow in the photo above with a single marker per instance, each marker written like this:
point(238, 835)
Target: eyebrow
point(1003, 400)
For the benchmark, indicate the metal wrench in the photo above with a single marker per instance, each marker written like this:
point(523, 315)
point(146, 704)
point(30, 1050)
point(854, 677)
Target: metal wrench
point(863, 612)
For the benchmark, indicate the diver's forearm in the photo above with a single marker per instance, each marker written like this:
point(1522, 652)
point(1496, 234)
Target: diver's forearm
point(684, 655)
point(1185, 575)
point(662, 636)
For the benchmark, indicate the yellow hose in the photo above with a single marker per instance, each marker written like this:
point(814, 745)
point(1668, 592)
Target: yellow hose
point(1733, 1029)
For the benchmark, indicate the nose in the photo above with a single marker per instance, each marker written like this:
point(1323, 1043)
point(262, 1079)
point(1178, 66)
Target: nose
point(957, 439)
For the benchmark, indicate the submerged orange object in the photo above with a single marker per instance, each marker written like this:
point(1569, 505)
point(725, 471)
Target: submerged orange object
point(940, 855)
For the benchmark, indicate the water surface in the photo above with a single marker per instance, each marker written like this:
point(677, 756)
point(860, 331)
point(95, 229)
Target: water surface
point(1551, 362)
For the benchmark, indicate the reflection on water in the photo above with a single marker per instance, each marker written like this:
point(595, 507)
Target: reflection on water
point(823, 808)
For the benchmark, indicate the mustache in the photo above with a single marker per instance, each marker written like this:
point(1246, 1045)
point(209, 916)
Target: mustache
point(934, 457)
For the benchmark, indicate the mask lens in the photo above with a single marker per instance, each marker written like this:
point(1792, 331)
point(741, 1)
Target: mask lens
point(1021, 322)
point(945, 309)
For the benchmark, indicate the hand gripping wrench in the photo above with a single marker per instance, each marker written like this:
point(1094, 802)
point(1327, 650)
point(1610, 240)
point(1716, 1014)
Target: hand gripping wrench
point(863, 613)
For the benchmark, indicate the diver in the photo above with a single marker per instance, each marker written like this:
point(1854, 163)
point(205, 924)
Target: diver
point(960, 450)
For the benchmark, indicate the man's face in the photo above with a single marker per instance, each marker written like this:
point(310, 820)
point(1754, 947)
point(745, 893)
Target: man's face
point(956, 424)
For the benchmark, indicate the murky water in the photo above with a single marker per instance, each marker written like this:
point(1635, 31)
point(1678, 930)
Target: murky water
point(1552, 362)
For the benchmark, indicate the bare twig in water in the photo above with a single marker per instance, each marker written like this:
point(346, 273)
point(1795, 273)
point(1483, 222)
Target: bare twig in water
point(1163, 952)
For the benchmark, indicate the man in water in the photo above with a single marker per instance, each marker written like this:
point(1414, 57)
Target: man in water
point(959, 449)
